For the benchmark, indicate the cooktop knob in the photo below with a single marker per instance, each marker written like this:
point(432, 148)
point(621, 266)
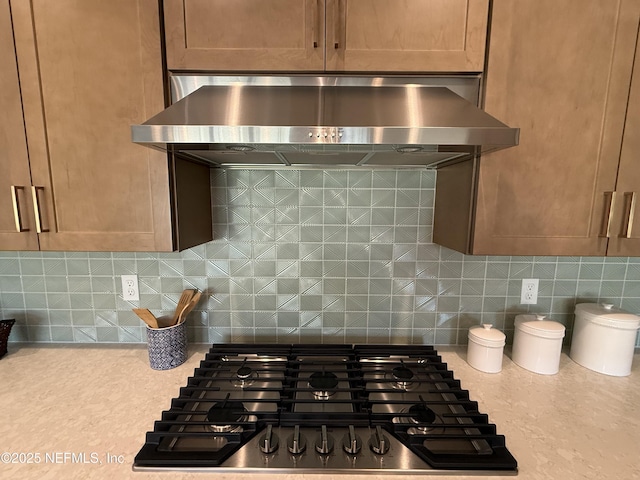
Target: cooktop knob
point(269, 441)
point(379, 443)
point(352, 443)
point(324, 442)
point(296, 443)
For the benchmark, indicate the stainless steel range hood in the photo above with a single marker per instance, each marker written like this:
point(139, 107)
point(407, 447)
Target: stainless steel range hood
point(311, 121)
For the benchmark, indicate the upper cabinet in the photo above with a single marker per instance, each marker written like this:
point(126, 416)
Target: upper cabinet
point(406, 36)
point(326, 35)
point(88, 71)
point(17, 226)
point(561, 71)
point(624, 218)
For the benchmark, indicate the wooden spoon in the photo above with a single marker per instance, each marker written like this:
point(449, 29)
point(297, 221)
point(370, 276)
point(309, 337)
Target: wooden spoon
point(186, 310)
point(146, 316)
point(185, 298)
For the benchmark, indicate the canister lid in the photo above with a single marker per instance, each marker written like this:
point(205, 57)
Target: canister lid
point(487, 336)
point(608, 315)
point(540, 327)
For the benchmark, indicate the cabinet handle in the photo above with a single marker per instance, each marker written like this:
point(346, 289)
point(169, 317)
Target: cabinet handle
point(16, 208)
point(316, 26)
point(36, 209)
point(336, 27)
point(605, 228)
point(629, 209)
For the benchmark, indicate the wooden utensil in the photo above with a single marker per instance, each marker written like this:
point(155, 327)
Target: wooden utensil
point(185, 298)
point(190, 306)
point(146, 316)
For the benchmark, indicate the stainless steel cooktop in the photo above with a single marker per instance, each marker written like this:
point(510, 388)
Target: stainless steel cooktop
point(325, 408)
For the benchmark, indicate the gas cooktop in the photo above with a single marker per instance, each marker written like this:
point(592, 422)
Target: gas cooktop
point(325, 408)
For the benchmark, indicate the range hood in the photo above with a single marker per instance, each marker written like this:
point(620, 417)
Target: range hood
point(316, 121)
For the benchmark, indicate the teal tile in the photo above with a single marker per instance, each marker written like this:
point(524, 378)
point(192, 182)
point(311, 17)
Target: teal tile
point(38, 334)
point(383, 216)
point(360, 179)
point(337, 198)
point(401, 320)
point(61, 334)
point(31, 266)
point(405, 234)
point(448, 304)
point(357, 303)
point(445, 336)
point(78, 266)
point(85, 334)
point(591, 271)
point(424, 336)
point(56, 284)
point(11, 283)
point(407, 198)
point(471, 303)
point(35, 300)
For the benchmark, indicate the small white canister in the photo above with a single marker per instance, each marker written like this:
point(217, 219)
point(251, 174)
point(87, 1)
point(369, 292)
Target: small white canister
point(604, 338)
point(485, 348)
point(537, 344)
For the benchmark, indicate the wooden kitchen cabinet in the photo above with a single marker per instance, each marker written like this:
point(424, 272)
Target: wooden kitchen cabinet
point(624, 228)
point(561, 72)
point(88, 71)
point(244, 34)
point(17, 228)
point(326, 35)
point(406, 36)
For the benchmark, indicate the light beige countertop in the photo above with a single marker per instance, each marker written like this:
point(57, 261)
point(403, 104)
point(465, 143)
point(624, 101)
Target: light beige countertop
point(65, 404)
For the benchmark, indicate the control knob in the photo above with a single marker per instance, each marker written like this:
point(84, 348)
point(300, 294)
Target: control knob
point(269, 441)
point(324, 442)
point(352, 443)
point(296, 443)
point(379, 443)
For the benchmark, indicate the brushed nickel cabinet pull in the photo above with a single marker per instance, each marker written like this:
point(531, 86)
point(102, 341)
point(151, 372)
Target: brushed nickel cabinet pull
point(336, 27)
point(605, 228)
point(629, 209)
point(36, 209)
point(16, 207)
point(316, 23)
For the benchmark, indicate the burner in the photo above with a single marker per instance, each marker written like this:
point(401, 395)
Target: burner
point(245, 376)
point(222, 414)
point(322, 383)
point(402, 373)
point(401, 377)
point(421, 414)
point(244, 372)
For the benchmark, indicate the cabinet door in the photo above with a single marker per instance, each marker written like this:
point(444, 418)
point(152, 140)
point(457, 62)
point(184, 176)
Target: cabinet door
point(241, 35)
point(88, 71)
point(561, 72)
point(624, 234)
point(406, 35)
point(15, 179)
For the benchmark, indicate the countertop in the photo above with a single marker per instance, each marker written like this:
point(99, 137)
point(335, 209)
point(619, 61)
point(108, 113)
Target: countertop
point(94, 405)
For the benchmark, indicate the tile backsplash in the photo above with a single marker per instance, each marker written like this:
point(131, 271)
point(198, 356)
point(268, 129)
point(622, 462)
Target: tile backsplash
point(309, 255)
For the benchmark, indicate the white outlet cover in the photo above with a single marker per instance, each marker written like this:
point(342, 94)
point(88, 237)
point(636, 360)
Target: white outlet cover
point(529, 292)
point(130, 290)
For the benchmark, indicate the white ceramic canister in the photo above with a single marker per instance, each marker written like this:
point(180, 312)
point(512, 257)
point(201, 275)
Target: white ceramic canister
point(537, 344)
point(485, 348)
point(604, 338)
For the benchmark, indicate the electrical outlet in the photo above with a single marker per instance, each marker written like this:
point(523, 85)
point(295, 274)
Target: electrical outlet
point(130, 289)
point(529, 292)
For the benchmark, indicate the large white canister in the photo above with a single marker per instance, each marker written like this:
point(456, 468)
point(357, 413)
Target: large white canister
point(537, 343)
point(485, 348)
point(604, 338)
